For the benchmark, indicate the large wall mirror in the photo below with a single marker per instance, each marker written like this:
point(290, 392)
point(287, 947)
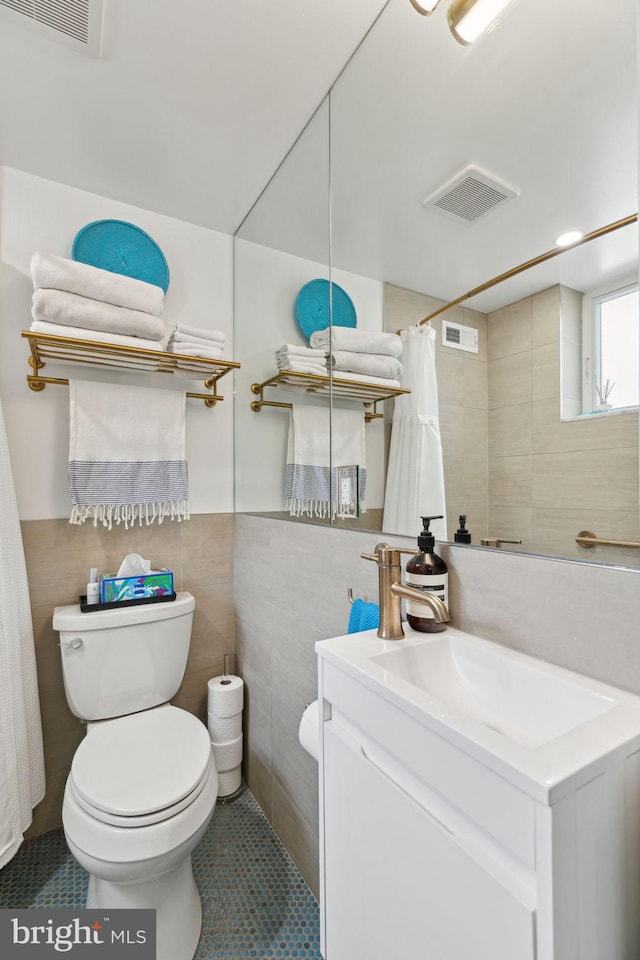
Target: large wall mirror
point(544, 110)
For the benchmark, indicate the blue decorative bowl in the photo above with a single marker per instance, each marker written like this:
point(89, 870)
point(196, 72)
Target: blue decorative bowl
point(314, 311)
point(121, 247)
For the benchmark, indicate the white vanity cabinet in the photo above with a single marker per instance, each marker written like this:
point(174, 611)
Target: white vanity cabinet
point(433, 847)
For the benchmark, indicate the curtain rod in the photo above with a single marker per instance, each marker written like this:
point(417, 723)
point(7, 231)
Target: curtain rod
point(532, 263)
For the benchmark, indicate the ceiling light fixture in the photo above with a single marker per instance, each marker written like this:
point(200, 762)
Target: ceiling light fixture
point(469, 19)
point(566, 239)
point(425, 7)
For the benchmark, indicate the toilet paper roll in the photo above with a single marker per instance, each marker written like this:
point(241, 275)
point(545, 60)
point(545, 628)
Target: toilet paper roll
point(227, 755)
point(225, 699)
point(223, 729)
point(309, 730)
point(229, 781)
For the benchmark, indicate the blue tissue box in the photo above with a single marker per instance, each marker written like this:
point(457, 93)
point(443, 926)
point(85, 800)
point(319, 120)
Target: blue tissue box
point(114, 589)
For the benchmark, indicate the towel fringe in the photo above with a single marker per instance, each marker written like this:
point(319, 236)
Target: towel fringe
point(130, 513)
point(322, 509)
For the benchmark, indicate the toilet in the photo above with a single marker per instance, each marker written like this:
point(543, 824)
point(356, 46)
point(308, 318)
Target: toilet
point(143, 784)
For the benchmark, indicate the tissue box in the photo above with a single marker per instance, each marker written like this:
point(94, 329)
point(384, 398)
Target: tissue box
point(155, 584)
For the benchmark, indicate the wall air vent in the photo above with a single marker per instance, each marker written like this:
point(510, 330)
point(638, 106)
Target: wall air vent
point(75, 23)
point(459, 337)
point(469, 196)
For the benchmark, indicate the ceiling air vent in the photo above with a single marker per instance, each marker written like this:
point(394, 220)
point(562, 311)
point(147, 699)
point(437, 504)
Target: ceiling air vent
point(469, 196)
point(75, 23)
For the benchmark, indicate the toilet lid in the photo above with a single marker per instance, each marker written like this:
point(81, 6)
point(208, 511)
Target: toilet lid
point(140, 764)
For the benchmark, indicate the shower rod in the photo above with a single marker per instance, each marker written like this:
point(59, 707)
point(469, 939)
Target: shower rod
point(600, 232)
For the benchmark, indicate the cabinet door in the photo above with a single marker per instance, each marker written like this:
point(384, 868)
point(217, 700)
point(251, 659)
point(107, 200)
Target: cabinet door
point(399, 884)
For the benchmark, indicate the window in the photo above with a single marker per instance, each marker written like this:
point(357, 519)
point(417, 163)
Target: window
point(611, 342)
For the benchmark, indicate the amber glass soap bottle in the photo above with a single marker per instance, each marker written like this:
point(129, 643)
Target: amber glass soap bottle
point(427, 571)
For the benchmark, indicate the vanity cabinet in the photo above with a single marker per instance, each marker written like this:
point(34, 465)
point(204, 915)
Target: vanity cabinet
point(400, 882)
point(430, 850)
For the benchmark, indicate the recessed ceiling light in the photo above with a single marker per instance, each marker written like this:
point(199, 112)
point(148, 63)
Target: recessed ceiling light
point(566, 239)
point(424, 7)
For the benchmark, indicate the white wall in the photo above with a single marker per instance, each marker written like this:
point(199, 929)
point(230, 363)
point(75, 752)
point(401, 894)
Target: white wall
point(267, 283)
point(37, 214)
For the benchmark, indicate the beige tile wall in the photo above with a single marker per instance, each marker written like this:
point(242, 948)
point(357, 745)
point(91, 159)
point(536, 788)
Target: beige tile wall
point(511, 463)
point(551, 478)
point(463, 398)
point(58, 558)
point(290, 587)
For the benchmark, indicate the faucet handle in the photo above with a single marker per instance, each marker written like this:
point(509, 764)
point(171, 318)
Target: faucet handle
point(385, 553)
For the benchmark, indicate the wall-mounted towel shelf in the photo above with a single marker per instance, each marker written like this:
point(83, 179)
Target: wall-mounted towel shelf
point(339, 387)
point(45, 346)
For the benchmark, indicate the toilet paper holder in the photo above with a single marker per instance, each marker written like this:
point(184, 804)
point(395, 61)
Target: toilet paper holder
point(226, 679)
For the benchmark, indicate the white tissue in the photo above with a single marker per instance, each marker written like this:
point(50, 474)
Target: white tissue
point(227, 756)
point(134, 565)
point(229, 781)
point(223, 729)
point(225, 696)
point(309, 730)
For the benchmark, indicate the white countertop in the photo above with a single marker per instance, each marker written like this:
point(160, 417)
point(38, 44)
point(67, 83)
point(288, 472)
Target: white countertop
point(544, 767)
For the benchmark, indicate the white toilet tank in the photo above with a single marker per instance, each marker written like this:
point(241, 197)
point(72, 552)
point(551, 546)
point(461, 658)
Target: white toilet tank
point(116, 662)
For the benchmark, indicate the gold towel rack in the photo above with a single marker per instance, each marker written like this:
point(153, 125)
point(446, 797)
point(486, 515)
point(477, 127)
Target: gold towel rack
point(339, 387)
point(587, 539)
point(47, 346)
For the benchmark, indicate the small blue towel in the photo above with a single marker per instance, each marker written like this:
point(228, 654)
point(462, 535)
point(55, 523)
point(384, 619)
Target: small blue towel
point(364, 616)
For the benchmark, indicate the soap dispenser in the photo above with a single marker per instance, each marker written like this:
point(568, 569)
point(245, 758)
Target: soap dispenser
point(427, 571)
point(462, 535)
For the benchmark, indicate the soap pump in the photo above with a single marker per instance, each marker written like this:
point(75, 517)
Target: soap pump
point(427, 571)
point(462, 535)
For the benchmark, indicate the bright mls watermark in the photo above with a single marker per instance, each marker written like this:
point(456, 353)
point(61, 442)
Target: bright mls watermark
point(78, 934)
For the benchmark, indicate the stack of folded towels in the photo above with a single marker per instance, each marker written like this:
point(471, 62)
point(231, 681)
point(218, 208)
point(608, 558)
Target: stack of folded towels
point(196, 342)
point(301, 359)
point(361, 354)
point(73, 299)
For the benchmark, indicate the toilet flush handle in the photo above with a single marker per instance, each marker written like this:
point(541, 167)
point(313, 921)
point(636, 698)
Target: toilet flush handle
point(75, 643)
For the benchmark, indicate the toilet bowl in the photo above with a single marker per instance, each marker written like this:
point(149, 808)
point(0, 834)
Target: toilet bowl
point(143, 782)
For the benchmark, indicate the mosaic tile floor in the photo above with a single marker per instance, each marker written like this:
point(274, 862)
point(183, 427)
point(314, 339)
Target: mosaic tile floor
point(255, 904)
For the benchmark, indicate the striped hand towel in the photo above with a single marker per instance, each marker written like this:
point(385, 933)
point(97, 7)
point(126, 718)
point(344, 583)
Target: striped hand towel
point(320, 441)
point(126, 454)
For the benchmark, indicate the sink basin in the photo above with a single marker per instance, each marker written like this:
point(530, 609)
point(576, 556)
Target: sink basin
point(496, 687)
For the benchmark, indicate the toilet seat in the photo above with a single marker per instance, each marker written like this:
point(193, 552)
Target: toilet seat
point(141, 769)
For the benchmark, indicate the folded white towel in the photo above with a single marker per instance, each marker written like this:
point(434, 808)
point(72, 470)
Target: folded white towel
point(183, 329)
point(320, 441)
point(126, 454)
point(359, 341)
point(186, 340)
point(294, 350)
point(69, 309)
point(187, 369)
point(211, 352)
point(56, 273)
point(369, 364)
point(361, 378)
point(96, 336)
point(301, 366)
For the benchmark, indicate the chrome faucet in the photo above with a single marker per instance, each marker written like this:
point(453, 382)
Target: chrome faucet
point(392, 591)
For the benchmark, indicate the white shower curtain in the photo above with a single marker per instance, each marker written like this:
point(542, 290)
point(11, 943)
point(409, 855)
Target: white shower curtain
point(415, 475)
point(22, 782)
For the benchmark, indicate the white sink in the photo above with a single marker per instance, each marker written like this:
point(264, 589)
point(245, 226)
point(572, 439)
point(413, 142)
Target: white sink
point(524, 702)
point(535, 723)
